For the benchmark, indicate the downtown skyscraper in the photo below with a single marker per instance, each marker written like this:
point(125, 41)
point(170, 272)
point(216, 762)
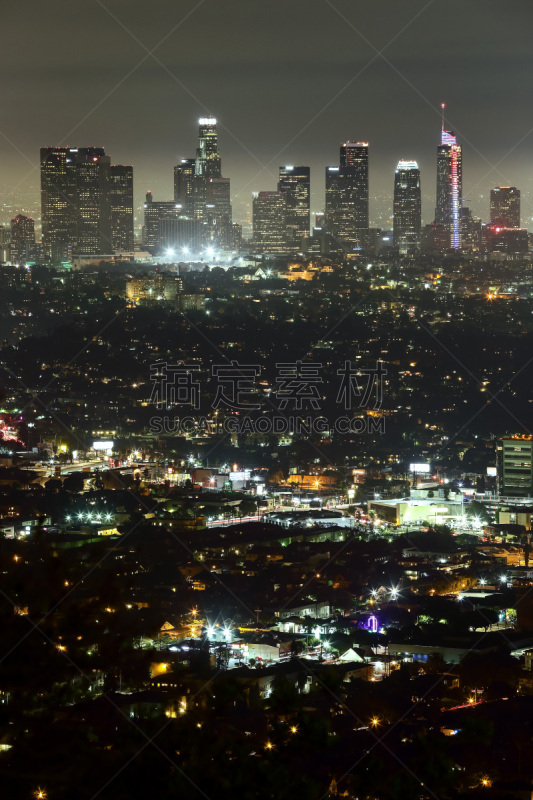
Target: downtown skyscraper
point(449, 185)
point(295, 186)
point(200, 190)
point(268, 215)
point(407, 206)
point(86, 203)
point(505, 207)
point(347, 197)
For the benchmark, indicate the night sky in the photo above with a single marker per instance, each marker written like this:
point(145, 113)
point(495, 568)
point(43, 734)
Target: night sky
point(282, 78)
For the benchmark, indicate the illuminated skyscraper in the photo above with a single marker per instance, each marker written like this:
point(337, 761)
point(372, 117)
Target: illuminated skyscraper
point(58, 201)
point(121, 207)
point(207, 154)
point(78, 187)
point(505, 207)
point(22, 239)
point(93, 234)
point(200, 191)
point(449, 185)
point(407, 206)
point(346, 216)
point(295, 185)
point(268, 213)
point(354, 164)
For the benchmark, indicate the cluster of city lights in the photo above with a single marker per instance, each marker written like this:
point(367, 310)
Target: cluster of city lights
point(209, 252)
point(8, 432)
point(89, 516)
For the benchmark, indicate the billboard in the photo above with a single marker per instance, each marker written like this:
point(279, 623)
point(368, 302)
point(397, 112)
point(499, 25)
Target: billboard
point(103, 445)
point(240, 476)
point(419, 468)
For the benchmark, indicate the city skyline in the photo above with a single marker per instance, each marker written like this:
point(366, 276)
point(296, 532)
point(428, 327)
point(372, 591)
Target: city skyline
point(378, 198)
point(202, 200)
point(395, 108)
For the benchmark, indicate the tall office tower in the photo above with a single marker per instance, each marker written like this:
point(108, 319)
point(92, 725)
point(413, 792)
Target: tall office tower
point(76, 197)
point(339, 218)
point(449, 185)
point(407, 206)
point(183, 184)
point(207, 154)
point(58, 201)
point(354, 163)
point(268, 219)
point(217, 197)
point(505, 207)
point(121, 207)
point(93, 208)
point(154, 213)
point(346, 216)
point(295, 185)
point(22, 239)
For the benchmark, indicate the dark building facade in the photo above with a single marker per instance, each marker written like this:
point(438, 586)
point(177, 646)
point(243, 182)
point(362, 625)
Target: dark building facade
point(121, 207)
point(184, 184)
point(22, 239)
point(505, 207)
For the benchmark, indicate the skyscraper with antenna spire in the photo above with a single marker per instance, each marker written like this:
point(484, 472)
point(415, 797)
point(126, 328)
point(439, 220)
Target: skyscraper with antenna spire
point(449, 184)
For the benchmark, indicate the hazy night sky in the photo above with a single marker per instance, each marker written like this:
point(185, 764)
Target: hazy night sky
point(278, 76)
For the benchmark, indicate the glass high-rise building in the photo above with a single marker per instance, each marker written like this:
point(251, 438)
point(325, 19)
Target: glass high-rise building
point(449, 186)
point(407, 206)
point(505, 207)
point(295, 185)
